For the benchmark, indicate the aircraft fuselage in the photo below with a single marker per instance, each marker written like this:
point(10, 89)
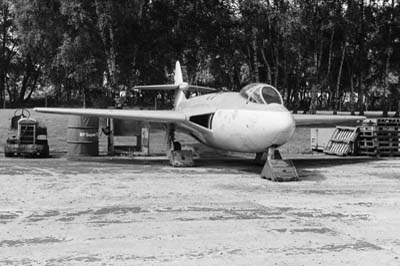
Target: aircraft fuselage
point(227, 121)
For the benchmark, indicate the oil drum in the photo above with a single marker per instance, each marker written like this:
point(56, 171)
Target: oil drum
point(83, 136)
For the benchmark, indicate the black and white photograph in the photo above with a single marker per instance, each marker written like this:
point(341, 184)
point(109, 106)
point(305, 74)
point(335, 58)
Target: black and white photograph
point(202, 132)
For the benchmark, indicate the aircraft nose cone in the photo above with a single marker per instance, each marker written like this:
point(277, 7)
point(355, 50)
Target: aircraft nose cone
point(285, 128)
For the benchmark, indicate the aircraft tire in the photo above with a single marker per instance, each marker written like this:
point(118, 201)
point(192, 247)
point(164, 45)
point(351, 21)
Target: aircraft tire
point(177, 146)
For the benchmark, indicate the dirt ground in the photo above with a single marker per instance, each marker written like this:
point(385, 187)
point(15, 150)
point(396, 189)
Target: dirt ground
point(127, 211)
point(121, 211)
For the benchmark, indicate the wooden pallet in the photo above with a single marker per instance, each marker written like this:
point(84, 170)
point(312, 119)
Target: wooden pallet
point(367, 141)
point(389, 143)
point(388, 128)
point(368, 151)
point(388, 152)
point(389, 121)
point(380, 139)
point(367, 146)
point(367, 131)
point(342, 141)
point(388, 136)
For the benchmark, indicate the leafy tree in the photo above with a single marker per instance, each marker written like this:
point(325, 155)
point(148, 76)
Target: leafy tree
point(319, 53)
point(8, 45)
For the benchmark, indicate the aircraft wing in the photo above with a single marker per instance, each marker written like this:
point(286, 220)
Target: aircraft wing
point(164, 116)
point(306, 120)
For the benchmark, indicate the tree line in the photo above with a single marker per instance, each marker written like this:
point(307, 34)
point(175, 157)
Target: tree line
point(320, 54)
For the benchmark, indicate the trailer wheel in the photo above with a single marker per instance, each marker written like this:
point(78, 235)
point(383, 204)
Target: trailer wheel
point(8, 154)
point(44, 154)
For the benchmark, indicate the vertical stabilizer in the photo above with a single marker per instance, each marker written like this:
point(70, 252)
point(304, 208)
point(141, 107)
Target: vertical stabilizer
point(178, 80)
point(178, 74)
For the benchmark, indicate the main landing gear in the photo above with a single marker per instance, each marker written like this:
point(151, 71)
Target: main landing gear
point(177, 156)
point(173, 145)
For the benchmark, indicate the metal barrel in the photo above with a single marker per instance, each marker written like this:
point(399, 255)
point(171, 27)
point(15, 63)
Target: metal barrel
point(83, 136)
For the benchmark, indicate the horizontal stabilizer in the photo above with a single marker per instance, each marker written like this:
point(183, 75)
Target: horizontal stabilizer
point(162, 116)
point(182, 86)
point(201, 88)
point(307, 120)
point(157, 87)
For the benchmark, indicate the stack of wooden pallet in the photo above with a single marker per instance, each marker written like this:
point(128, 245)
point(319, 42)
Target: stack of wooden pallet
point(342, 141)
point(367, 139)
point(388, 137)
point(381, 138)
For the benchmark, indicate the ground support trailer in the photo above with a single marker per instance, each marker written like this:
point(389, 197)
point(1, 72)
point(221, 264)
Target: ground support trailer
point(30, 141)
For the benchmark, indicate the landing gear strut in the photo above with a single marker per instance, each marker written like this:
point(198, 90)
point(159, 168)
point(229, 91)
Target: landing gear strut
point(177, 156)
point(172, 144)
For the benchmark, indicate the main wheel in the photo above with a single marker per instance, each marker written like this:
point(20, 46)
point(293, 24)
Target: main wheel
point(177, 146)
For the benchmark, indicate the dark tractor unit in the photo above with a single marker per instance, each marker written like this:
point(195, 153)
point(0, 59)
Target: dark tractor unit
point(31, 140)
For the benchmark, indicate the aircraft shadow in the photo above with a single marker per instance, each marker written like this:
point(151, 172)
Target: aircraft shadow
point(306, 171)
point(228, 163)
point(329, 162)
point(240, 164)
point(306, 168)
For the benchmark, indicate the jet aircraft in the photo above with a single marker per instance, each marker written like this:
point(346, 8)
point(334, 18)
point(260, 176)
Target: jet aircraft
point(253, 120)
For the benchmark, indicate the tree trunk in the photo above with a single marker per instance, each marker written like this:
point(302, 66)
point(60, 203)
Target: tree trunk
point(326, 81)
point(385, 108)
point(352, 112)
point(285, 86)
point(361, 60)
point(249, 58)
point(106, 31)
point(269, 79)
point(397, 114)
point(3, 73)
point(32, 86)
point(351, 75)
point(276, 67)
point(10, 95)
point(337, 104)
point(330, 53)
point(313, 100)
point(256, 74)
point(295, 101)
point(389, 51)
point(25, 80)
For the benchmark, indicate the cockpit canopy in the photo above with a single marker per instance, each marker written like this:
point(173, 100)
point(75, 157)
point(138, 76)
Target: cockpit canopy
point(261, 93)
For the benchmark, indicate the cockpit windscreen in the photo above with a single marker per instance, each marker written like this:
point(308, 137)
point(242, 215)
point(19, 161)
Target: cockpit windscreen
point(261, 93)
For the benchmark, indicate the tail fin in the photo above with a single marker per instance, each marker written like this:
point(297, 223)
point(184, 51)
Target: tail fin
point(178, 74)
point(178, 80)
point(179, 86)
